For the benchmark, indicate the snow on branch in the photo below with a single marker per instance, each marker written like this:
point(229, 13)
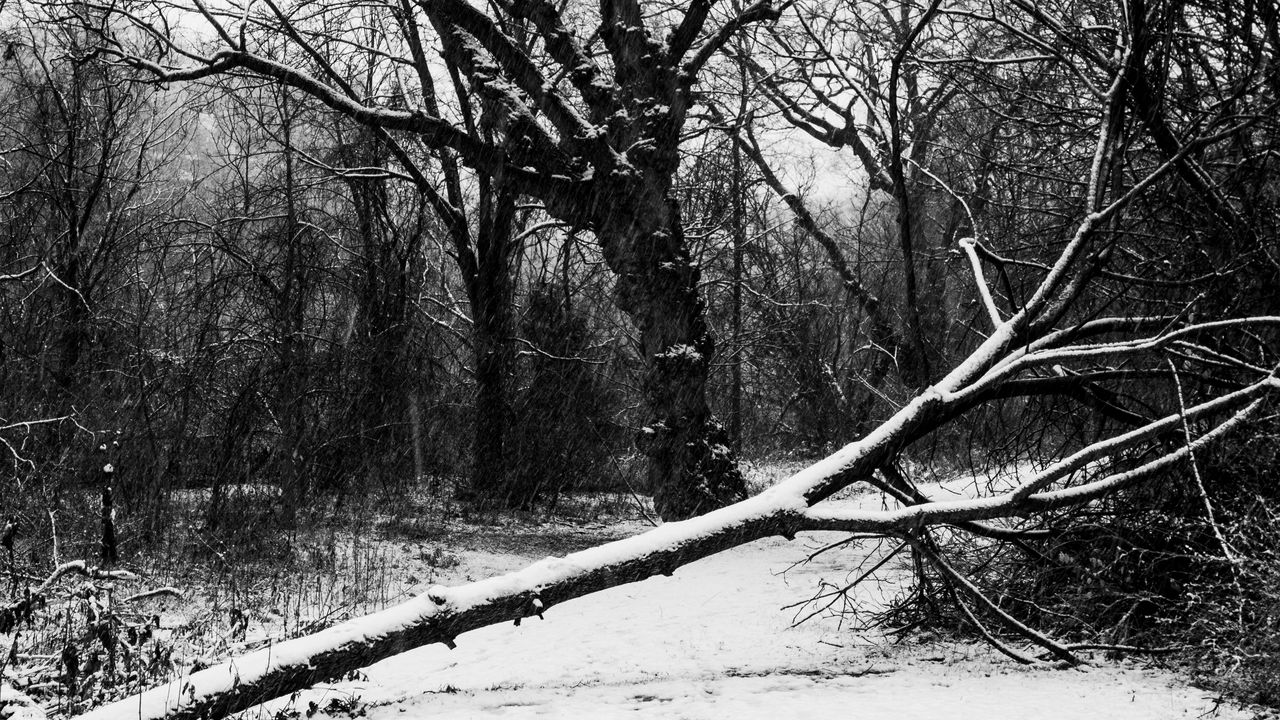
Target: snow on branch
point(761, 11)
point(515, 63)
point(979, 279)
point(565, 49)
point(1023, 500)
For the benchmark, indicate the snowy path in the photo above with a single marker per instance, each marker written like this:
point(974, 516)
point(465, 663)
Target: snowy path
point(711, 642)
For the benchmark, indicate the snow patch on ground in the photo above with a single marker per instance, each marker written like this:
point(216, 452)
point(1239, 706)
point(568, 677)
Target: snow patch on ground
point(713, 641)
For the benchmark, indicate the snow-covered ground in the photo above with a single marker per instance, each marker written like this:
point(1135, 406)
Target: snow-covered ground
point(713, 642)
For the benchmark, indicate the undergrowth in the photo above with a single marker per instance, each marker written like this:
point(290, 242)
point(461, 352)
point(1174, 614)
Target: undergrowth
point(1161, 570)
point(203, 592)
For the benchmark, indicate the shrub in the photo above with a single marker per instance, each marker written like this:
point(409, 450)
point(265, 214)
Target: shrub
point(560, 430)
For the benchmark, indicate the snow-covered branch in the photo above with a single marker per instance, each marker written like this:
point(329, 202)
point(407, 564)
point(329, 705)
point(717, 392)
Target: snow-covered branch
point(980, 280)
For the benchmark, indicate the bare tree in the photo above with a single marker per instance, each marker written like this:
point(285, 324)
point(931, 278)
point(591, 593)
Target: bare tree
point(81, 199)
point(592, 134)
point(82, 149)
point(854, 80)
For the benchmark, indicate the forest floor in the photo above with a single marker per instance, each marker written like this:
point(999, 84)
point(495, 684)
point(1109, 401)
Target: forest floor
point(720, 639)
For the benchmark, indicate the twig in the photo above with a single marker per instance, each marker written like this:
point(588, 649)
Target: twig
point(1204, 497)
point(79, 567)
point(1195, 469)
point(959, 579)
point(987, 635)
point(842, 591)
point(53, 525)
point(1125, 648)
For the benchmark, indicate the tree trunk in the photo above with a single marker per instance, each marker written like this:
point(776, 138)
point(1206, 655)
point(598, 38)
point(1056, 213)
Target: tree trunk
point(915, 370)
point(739, 241)
point(74, 328)
point(290, 318)
point(110, 551)
point(493, 367)
point(691, 469)
point(490, 293)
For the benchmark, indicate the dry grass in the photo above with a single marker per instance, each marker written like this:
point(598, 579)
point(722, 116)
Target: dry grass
point(250, 581)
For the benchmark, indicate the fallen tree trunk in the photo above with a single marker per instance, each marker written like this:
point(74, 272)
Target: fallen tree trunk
point(442, 614)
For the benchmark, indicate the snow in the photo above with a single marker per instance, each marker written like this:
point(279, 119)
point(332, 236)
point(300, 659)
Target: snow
point(698, 643)
point(713, 642)
point(15, 705)
point(681, 350)
point(710, 636)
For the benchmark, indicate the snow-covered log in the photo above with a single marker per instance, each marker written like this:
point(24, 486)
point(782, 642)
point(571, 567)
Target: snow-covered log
point(443, 614)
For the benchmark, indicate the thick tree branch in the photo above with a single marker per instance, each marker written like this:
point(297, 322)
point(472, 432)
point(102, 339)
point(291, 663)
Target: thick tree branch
point(515, 65)
point(563, 46)
point(761, 11)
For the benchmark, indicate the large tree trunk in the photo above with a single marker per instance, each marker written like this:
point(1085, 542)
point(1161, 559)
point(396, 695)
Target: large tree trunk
point(489, 290)
point(691, 469)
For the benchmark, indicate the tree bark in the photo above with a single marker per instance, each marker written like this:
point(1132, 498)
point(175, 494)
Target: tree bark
point(493, 367)
point(489, 288)
point(110, 551)
point(914, 362)
point(691, 468)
